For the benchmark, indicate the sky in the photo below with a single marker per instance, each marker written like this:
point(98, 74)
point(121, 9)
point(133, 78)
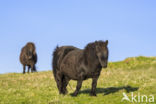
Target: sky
point(128, 25)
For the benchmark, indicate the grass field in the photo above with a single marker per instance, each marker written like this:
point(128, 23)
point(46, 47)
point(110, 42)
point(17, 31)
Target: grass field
point(137, 75)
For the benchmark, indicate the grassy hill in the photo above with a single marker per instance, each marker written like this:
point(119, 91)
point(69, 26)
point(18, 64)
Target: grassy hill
point(137, 75)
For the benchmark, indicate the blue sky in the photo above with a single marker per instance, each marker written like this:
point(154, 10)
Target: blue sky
point(129, 25)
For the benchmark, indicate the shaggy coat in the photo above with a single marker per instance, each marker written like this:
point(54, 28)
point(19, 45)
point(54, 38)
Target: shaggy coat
point(77, 64)
point(58, 55)
point(28, 57)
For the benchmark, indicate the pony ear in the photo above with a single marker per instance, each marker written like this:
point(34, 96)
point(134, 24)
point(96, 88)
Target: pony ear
point(106, 42)
point(96, 42)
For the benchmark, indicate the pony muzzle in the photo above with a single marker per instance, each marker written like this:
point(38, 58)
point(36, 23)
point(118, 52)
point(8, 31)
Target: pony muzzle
point(104, 66)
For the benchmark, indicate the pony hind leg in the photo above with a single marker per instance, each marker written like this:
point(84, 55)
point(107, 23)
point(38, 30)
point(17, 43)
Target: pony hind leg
point(57, 78)
point(60, 82)
point(65, 83)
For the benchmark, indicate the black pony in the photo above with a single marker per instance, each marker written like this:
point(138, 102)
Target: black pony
point(76, 64)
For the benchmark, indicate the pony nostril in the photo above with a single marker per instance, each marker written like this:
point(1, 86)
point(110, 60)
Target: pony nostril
point(102, 58)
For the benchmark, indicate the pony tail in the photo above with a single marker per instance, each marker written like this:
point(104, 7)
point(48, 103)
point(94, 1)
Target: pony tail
point(55, 61)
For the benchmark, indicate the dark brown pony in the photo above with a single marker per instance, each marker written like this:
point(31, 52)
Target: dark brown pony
point(58, 55)
point(28, 57)
point(77, 64)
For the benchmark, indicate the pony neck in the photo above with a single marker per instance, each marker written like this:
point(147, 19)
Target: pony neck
point(90, 56)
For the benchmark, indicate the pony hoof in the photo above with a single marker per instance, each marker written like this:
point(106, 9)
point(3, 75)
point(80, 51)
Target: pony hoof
point(64, 93)
point(92, 94)
point(74, 94)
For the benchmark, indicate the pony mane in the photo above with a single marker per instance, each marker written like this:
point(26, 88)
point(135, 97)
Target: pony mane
point(91, 46)
point(31, 44)
point(90, 50)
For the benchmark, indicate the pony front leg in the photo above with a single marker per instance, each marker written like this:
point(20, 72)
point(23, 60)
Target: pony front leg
point(29, 68)
point(79, 84)
point(23, 69)
point(65, 83)
point(94, 84)
point(32, 68)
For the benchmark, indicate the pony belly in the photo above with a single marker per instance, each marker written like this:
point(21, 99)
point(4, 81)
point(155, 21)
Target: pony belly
point(70, 75)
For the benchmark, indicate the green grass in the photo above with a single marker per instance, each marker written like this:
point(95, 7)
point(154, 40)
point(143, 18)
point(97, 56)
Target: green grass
point(137, 75)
